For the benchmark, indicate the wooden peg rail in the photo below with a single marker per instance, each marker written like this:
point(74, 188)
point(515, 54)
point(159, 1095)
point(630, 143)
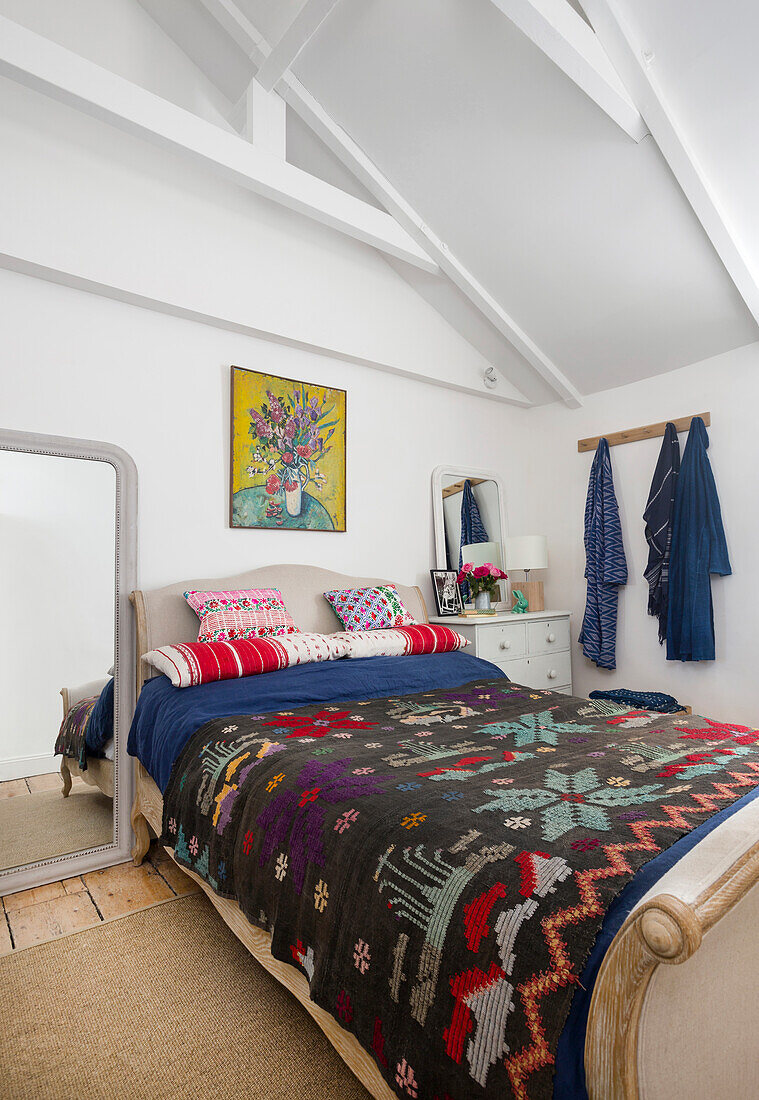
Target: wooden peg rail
point(648, 431)
point(458, 486)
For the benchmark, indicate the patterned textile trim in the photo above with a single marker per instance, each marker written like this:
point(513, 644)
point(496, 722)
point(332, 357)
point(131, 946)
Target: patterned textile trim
point(402, 641)
point(251, 613)
point(206, 662)
point(370, 608)
point(71, 736)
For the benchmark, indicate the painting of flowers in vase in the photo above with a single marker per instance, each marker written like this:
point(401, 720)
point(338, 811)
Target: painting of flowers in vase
point(288, 453)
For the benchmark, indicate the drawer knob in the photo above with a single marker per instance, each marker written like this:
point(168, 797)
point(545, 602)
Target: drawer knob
point(551, 674)
point(551, 637)
point(505, 644)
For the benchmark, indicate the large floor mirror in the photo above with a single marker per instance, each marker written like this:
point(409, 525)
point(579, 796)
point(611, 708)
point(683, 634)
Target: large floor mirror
point(67, 564)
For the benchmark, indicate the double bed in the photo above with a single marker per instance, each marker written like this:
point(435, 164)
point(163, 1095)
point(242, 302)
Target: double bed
point(512, 894)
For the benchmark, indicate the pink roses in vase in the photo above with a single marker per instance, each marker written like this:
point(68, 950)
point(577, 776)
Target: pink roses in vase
point(482, 581)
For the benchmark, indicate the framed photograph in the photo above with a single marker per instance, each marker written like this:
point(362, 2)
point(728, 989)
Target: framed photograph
point(287, 461)
point(447, 592)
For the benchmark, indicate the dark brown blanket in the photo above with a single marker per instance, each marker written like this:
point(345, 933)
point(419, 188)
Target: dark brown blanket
point(71, 736)
point(439, 865)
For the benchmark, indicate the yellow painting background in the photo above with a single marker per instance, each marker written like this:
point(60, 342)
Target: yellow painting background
point(249, 392)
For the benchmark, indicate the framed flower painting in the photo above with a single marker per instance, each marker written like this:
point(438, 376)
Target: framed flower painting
point(287, 464)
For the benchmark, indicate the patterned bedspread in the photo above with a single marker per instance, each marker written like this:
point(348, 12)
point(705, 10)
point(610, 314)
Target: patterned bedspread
point(438, 865)
point(71, 736)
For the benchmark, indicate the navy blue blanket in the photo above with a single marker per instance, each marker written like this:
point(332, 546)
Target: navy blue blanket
point(166, 717)
point(100, 726)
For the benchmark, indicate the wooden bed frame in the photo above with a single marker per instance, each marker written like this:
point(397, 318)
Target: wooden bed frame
point(99, 771)
point(662, 1022)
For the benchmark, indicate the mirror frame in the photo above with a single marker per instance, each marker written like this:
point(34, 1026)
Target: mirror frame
point(458, 472)
point(125, 577)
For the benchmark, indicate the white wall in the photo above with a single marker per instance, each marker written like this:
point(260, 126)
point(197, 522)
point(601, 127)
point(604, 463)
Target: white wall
point(158, 386)
point(728, 387)
point(56, 593)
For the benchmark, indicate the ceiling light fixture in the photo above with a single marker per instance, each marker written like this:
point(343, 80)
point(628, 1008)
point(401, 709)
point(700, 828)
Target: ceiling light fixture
point(490, 378)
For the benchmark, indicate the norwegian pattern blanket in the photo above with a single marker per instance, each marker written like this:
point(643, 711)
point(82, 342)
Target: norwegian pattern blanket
point(438, 865)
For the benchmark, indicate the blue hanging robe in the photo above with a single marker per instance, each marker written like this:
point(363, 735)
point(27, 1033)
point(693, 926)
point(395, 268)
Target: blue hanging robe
point(605, 563)
point(658, 520)
point(698, 550)
point(472, 528)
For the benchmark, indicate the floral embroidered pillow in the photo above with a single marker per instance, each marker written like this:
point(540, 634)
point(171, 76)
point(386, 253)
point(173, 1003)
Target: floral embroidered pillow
point(370, 608)
point(243, 613)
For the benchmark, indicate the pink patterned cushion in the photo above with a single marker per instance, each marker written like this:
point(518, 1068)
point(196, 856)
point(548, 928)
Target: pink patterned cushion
point(369, 608)
point(245, 613)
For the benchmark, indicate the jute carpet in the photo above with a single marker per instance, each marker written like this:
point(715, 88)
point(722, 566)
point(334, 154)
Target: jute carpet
point(37, 826)
point(164, 1004)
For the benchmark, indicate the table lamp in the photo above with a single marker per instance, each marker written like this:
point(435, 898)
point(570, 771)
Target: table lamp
point(527, 552)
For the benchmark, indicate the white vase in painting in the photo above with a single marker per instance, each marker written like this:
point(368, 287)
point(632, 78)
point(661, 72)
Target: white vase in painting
point(293, 497)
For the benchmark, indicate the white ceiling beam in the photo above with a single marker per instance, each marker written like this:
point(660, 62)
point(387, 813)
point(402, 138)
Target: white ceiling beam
point(352, 156)
point(42, 65)
point(635, 61)
point(265, 120)
point(303, 27)
point(564, 37)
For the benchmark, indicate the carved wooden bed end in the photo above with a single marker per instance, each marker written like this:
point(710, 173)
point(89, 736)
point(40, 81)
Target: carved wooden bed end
point(663, 931)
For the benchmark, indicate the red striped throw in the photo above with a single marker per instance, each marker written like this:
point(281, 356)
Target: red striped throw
point(402, 641)
point(192, 663)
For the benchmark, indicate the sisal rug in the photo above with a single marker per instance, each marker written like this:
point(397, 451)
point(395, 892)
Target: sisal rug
point(38, 826)
point(164, 1004)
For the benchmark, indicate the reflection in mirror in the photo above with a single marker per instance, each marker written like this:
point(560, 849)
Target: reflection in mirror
point(468, 510)
point(57, 578)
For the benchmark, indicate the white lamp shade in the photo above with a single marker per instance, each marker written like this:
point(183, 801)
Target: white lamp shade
point(480, 552)
point(526, 552)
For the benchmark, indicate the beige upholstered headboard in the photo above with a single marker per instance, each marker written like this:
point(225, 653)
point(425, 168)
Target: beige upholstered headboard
point(164, 616)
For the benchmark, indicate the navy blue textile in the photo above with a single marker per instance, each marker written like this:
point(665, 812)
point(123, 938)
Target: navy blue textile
point(100, 726)
point(166, 717)
point(472, 529)
point(605, 563)
point(698, 549)
point(646, 700)
point(658, 519)
point(569, 1080)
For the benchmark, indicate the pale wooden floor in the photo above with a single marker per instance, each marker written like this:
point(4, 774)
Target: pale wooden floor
point(60, 908)
point(33, 784)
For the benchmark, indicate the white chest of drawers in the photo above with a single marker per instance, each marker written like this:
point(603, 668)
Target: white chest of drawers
point(532, 649)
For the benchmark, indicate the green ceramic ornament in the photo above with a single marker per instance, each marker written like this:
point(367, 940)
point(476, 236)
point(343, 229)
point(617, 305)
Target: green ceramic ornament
point(520, 602)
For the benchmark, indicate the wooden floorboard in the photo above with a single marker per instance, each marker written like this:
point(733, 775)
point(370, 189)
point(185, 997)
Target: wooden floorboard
point(13, 788)
point(24, 898)
point(62, 908)
point(124, 888)
point(50, 919)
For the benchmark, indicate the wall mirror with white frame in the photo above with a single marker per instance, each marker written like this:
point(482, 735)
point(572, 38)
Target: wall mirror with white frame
point(454, 541)
point(67, 563)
